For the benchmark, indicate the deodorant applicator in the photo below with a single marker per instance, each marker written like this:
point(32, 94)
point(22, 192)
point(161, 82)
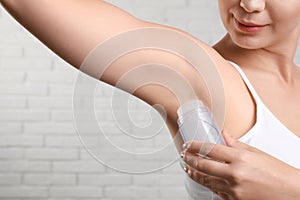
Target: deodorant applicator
point(196, 122)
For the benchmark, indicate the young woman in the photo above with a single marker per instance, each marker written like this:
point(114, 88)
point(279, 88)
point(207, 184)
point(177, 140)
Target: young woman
point(261, 84)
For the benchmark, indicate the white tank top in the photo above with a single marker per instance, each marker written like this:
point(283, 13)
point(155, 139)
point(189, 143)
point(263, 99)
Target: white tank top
point(268, 134)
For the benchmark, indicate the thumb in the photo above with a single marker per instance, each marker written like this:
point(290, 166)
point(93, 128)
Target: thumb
point(229, 140)
point(234, 143)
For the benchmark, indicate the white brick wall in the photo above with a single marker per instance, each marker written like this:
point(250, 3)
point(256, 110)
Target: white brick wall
point(41, 156)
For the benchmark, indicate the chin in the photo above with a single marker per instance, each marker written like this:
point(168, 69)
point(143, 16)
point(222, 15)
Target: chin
point(248, 46)
point(247, 42)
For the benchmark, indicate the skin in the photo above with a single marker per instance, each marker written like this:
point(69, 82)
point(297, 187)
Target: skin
point(266, 58)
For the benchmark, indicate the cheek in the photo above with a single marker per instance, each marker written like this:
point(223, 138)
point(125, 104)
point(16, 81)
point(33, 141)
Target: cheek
point(286, 12)
point(287, 23)
point(226, 10)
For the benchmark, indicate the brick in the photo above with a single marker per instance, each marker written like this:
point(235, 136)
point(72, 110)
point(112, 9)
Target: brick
point(62, 115)
point(49, 179)
point(88, 115)
point(51, 77)
point(110, 154)
point(23, 115)
point(21, 141)
point(49, 128)
point(12, 77)
point(25, 63)
point(64, 90)
point(132, 191)
point(78, 166)
point(11, 153)
point(24, 166)
point(10, 128)
point(23, 192)
point(108, 150)
point(126, 142)
point(75, 141)
point(12, 102)
point(63, 141)
point(173, 192)
point(104, 179)
point(105, 127)
point(101, 102)
point(10, 179)
point(133, 166)
point(51, 154)
point(11, 51)
point(161, 180)
point(23, 89)
point(50, 102)
point(78, 191)
point(9, 37)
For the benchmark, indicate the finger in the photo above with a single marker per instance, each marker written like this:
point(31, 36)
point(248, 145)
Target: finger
point(232, 142)
point(213, 151)
point(215, 184)
point(209, 167)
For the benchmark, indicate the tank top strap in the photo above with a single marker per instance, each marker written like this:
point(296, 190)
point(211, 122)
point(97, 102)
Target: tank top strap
point(248, 83)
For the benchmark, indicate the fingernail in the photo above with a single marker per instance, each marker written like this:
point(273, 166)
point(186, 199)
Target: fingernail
point(182, 154)
point(185, 169)
point(185, 145)
point(189, 172)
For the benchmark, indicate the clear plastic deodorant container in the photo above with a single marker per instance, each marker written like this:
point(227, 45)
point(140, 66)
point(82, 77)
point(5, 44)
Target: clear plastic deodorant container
point(196, 122)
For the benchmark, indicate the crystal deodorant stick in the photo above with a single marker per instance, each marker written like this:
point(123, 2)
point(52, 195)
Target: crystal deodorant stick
point(196, 122)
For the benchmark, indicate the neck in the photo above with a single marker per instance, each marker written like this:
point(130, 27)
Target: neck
point(275, 60)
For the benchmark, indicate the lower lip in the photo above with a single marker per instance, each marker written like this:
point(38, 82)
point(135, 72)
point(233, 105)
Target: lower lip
point(249, 29)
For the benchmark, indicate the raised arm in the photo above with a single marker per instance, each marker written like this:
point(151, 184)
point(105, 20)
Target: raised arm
point(73, 28)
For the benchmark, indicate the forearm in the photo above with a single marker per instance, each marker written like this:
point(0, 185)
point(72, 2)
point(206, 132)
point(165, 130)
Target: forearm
point(70, 28)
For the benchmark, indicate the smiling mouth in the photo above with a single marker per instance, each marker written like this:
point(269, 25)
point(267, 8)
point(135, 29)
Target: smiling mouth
point(249, 26)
